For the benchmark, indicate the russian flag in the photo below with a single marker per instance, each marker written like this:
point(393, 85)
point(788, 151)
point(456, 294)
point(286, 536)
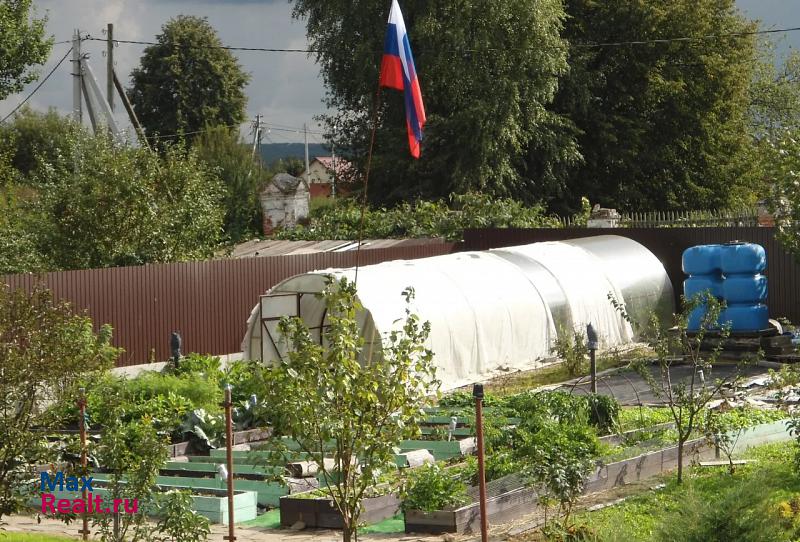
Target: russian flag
point(398, 72)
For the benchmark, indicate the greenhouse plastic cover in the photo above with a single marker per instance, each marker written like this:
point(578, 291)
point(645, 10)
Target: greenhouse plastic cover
point(490, 312)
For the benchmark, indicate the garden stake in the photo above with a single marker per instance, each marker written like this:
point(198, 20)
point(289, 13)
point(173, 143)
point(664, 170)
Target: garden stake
point(477, 393)
point(229, 456)
point(82, 427)
point(591, 336)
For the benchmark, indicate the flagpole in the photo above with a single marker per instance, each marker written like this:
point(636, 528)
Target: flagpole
point(366, 177)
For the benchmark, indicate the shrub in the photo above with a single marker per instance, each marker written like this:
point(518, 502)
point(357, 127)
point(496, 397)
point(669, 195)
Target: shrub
point(419, 219)
point(603, 412)
point(46, 350)
point(738, 512)
point(571, 348)
point(432, 487)
point(179, 523)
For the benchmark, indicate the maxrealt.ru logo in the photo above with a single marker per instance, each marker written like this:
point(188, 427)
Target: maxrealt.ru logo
point(92, 504)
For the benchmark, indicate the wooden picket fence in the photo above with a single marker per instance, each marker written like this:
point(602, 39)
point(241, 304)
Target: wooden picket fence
point(737, 217)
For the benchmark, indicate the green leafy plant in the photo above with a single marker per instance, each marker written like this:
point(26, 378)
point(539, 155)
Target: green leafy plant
point(603, 412)
point(725, 428)
point(334, 403)
point(46, 350)
point(419, 219)
point(203, 427)
point(786, 376)
point(178, 522)
point(559, 457)
point(572, 349)
point(686, 400)
point(433, 487)
point(133, 453)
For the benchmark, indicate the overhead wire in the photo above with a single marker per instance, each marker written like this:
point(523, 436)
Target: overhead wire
point(42, 82)
point(654, 41)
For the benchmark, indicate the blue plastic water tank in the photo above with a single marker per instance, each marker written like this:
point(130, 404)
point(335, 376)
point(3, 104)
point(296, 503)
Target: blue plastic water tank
point(742, 258)
point(746, 317)
point(697, 284)
point(702, 260)
point(744, 289)
point(732, 273)
point(696, 318)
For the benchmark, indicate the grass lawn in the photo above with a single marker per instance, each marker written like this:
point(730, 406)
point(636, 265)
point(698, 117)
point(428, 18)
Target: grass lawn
point(557, 372)
point(25, 537)
point(759, 502)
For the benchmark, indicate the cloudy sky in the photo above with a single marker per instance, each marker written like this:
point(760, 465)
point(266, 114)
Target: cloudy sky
point(286, 87)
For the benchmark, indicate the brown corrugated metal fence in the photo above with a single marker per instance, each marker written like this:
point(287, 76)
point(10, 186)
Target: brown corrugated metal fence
point(208, 302)
point(668, 245)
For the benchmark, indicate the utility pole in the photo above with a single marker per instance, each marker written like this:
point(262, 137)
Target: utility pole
point(333, 160)
point(257, 125)
point(110, 65)
point(305, 138)
point(77, 112)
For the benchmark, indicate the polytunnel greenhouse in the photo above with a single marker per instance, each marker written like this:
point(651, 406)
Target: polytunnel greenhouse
point(490, 311)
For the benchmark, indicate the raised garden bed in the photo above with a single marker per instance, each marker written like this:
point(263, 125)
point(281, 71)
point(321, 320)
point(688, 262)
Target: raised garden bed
point(268, 493)
point(319, 512)
point(209, 502)
point(441, 449)
point(518, 500)
point(250, 471)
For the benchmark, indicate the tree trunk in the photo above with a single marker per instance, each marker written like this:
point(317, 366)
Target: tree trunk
point(680, 459)
point(347, 533)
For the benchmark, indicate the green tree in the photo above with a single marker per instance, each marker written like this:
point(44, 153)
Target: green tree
point(775, 94)
point(32, 138)
point(242, 177)
point(662, 125)
point(187, 81)
point(45, 350)
point(22, 44)
point(19, 250)
point(782, 171)
point(120, 206)
point(676, 347)
point(340, 401)
point(487, 71)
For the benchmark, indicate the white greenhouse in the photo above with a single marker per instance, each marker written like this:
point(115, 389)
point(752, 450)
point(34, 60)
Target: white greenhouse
point(493, 311)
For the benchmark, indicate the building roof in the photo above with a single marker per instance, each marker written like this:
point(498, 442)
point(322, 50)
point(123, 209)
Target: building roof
point(285, 183)
point(268, 247)
point(342, 165)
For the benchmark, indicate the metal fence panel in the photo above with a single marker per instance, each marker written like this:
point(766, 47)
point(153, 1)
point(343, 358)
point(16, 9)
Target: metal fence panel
point(208, 302)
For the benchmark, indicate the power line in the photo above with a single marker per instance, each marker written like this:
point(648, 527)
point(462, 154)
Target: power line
point(226, 47)
point(165, 136)
point(42, 82)
point(655, 41)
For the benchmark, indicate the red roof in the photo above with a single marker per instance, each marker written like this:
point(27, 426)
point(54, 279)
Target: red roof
point(342, 165)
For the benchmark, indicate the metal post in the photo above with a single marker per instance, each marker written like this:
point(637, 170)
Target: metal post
point(591, 336)
point(175, 343)
point(77, 112)
point(305, 141)
point(82, 428)
point(110, 65)
point(477, 393)
point(333, 163)
point(229, 460)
